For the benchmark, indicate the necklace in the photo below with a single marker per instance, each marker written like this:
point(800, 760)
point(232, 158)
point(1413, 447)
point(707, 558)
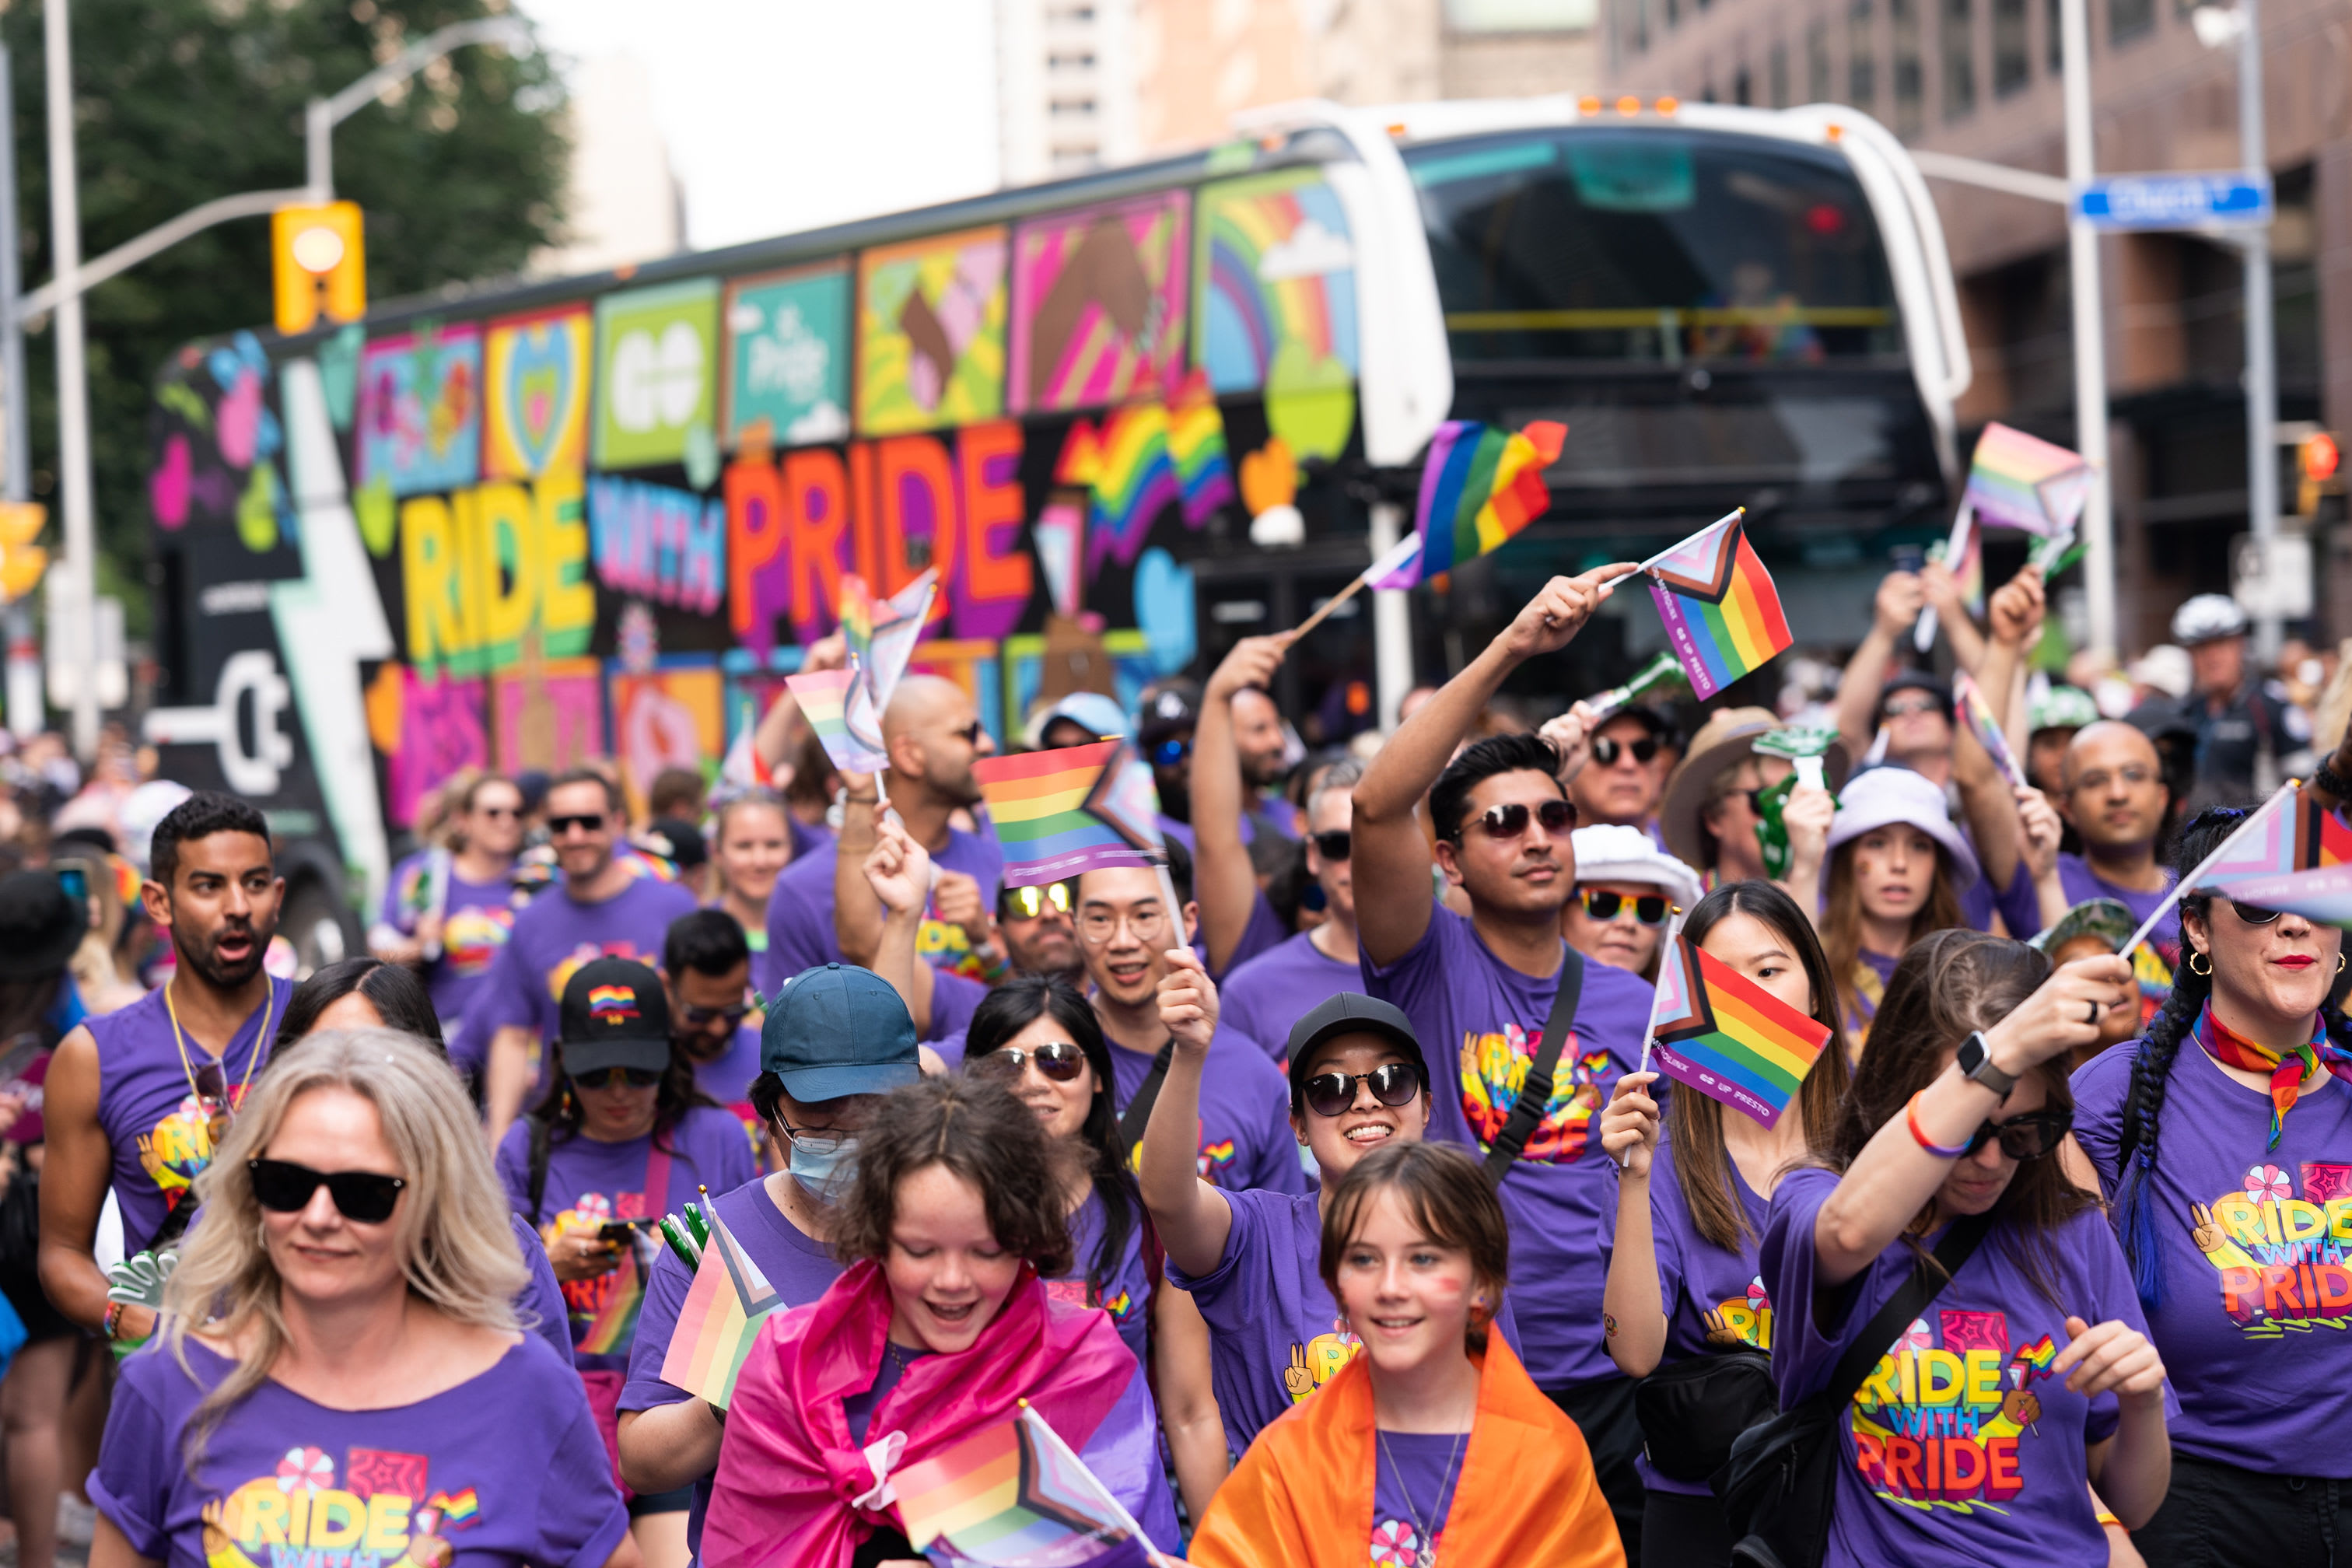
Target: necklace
point(269, 1000)
point(1424, 1533)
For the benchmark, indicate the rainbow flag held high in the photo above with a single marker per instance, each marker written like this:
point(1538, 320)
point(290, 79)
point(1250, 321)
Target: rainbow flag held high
point(882, 633)
point(721, 1317)
point(2292, 854)
point(1722, 613)
point(1480, 486)
point(1719, 1032)
point(2019, 480)
point(1059, 813)
point(1014, 1494)
point(1970, 700)
point(839, 709)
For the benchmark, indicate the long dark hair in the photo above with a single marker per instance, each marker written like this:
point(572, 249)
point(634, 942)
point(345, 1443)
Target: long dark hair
point(1694, 1121)
point(678, 1093)
point(2152, 1058)
point(1012, 1007)
point(1949, 983)
point(395, 992)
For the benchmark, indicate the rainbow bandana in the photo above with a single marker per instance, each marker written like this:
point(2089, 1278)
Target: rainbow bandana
point(2287, 1068)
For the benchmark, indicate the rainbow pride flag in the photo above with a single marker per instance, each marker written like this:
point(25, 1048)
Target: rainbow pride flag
point(1719, 1032)
point(1059, 813)
point(2019, 480)
point(1722, 613)
point(1479, 486)
point(882, 633)
point(2034, 1358)
point(1014, 1494)
point(1970, 700)
point(721, 1317)
point(2292, 854)
point(840, 709)
point(614, 1326)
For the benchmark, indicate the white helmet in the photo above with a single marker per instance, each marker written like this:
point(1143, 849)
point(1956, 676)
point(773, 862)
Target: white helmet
point(2205, 617)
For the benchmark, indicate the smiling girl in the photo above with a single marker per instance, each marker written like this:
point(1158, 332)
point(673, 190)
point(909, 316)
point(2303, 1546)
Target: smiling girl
point(1898, 867)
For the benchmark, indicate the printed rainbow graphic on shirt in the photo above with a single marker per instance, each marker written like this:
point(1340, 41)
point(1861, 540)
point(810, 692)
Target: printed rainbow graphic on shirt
point(603, 1310)
point(471, 938)
point(1938, 1423)
point(1492, 1067)
point(1743, 1320)
point(1211, 1158)
point(2283, 1263)
point(383, 1514)
point(1318, 1360)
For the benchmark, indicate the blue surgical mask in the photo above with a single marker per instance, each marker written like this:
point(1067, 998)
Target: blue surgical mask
point(822, 1172)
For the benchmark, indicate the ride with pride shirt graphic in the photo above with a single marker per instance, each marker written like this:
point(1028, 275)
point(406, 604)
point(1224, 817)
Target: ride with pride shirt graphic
point(1743, 1323)
point(1938, 1423)
point(2282, 1260)
point(1493, 1066)
point(382, 1515)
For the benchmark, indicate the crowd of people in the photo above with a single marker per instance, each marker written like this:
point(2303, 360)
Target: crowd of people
point(1333, 1212)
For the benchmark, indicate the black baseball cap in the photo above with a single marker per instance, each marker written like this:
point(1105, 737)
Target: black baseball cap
point(1925, 680)
point(837, 1029)
point(614, 1015)
point(1350, 1012)
point(40, 925)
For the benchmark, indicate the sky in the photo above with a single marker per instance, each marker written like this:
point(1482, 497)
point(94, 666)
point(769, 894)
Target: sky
point(785, 114)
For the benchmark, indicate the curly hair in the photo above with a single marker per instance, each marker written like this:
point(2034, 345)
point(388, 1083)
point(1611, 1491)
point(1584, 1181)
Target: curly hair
point(979, 1133)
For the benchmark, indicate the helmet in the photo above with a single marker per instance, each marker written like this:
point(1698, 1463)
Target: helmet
point(2205, 617)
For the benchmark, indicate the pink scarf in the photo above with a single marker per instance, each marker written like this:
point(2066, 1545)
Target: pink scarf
point(793, 1487)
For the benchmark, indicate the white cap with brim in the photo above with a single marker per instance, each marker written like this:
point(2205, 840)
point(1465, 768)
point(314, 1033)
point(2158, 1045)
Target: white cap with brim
point(1881, 797)
point(1610, 853)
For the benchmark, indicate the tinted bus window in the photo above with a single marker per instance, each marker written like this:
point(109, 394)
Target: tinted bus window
point(1660, 245)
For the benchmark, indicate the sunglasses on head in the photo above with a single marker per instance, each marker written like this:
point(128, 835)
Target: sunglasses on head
point(702, 1018)
point(617, 1077)
point(1331, 1093)
point(1057, 1059)
point(1334, 845)
point(1510, 821)
point(2027, 1137)
point(586, 822)
point(1650, 909)
point(1028, 903)
point(1607, 750)
point(282, 1186)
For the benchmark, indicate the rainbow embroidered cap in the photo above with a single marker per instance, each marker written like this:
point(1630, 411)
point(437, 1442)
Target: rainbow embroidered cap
point(614, 1015)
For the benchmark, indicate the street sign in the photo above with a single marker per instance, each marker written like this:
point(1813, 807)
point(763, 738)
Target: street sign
point(2226, 200)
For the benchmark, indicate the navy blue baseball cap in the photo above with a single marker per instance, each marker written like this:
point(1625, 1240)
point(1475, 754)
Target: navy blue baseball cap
point(837, 1029)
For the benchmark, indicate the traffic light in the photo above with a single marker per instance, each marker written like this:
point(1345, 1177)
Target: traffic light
point(22, 562)
point(2319, 466)
point(316, 250)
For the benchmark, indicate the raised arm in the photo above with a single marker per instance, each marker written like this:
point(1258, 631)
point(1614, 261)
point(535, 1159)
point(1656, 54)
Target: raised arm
point(1390, 861)
point(1990, 804)
point(897, 875)
point(858, 914)
point(1192, 1216)
point(1901, 597)
point(2014, 613)
point(780, 732)
point(1952, 617)
point(1224, 879)
point(1633, 1309)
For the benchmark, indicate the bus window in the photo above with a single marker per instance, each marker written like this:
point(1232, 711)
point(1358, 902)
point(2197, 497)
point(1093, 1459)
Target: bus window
point(1660, 245)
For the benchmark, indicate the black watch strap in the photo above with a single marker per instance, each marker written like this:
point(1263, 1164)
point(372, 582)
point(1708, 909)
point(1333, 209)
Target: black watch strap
point(2329, 780)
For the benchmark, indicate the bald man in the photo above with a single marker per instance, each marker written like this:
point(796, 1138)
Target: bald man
point(932, 735)
point(2112, 793)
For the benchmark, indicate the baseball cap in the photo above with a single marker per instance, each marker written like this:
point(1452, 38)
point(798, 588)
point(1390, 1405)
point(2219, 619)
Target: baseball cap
point(2109, 919)
point(1169, 708)
point(2061, 707)
point(837, 1029)
point(1350, 1012)
point(1934, 685)
point(614, 1015)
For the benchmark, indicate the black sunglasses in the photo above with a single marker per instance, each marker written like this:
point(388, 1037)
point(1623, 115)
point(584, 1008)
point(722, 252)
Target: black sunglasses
point(702, 1018)
point(1607, 750)
point(282, 1186)
point(1650, 909)
point(1057, 1059)
point(1331, 1093)
point(1028, 903)
point(586, 822)
point(1509, 821)
point(1334, 845)
point(2027, 1137)
point(2253, 914)
point(616, 1078)
point(970, 733)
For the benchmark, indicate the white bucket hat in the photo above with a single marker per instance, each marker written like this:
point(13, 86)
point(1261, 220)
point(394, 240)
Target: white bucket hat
point(1613, 853)
point(1884, 795)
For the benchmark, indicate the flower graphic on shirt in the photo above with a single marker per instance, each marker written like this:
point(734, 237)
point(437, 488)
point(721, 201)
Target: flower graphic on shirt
point(1395, 1544)
point(470, 938)
point(2268, 1183)
point(305, 1469)
point(1494, 1065)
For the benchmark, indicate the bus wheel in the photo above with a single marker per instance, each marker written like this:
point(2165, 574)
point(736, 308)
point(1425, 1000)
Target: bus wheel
point(315, 926)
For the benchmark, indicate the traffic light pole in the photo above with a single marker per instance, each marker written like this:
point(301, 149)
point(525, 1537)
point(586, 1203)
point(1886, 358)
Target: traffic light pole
point(2262, 344)
point(25, 716)
point(73, 385)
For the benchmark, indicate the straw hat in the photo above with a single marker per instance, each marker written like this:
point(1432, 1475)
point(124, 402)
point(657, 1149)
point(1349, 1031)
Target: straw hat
point(1729, 735)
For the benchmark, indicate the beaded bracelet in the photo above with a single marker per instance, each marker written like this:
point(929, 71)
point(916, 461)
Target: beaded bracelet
point(112, 1324)
point(1941, 1151)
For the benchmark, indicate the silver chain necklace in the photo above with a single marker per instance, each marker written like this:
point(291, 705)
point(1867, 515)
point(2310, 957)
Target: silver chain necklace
point(1426, 1537)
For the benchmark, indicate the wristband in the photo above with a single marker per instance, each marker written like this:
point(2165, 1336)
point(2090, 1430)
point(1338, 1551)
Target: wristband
point(1911, 1120)
point(110, 1323)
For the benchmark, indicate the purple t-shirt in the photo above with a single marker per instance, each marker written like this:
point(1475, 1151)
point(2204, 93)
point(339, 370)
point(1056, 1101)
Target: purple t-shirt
point(1245, 1133)
point(1126, 1292)
point(1413, 1475)
point(1960, 1449)
point(798, 1265)
point(553, 936)
point(150, 1101)
point(800, 911)
point(1875, 970)
point(1479, 1021)
point(727, 1077)
point(954, 999)
point(2254, 1249)
point(476, 918)
point(1262, 935)
point(2157, 957)
point(1263, 997)
point(285, 1479)
point(589, 1184)
point(2019, 906)
point(540, 1305)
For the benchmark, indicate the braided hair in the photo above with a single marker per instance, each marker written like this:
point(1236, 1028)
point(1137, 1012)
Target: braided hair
point(2151, 1071)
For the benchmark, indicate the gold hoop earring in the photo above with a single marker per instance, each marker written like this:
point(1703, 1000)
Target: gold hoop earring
point(2339, 961)
point(2195, 953)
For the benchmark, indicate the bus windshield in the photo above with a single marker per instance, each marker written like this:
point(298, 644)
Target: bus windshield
point(1659, 245)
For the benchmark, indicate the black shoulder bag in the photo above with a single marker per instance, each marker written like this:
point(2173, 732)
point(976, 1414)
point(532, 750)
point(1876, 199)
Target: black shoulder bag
point(1779, 1483)
point(1138, 1115)
point(1535, 1090)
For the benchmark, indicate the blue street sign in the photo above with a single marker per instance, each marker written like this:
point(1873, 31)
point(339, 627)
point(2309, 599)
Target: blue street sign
point(2176, 201)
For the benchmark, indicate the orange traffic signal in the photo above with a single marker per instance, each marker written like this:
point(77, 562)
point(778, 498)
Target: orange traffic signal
point(2319, 462)
point(22, 562)
point(320, 264)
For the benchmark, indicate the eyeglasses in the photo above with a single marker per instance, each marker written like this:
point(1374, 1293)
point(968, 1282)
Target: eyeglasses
point(2027, 1137)
point(587, 822)
point(701, 1017)
point(1650, 909)
point(1334, 845)
point(618, 1077)
point(1331, 1093)
point(1555, 816)
point(1057, 1059)
point(1607, 750)
point(500, 811)
point(2253, 914)
point(1168, 753)
point(1909, 707)
point(817, 1140)
point(1029, 903)
point(1098, 926)
point(2133, 777)
point(282, 1186)
point(970, 733)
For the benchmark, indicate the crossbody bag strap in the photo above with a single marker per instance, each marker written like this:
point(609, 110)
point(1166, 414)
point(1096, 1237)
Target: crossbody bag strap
point(537, 1168)
point(1534, 1089)
point(1854, 1367)
point(1138, 1115)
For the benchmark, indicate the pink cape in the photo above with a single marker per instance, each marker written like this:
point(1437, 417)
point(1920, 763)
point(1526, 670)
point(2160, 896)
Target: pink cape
point(789, 1475)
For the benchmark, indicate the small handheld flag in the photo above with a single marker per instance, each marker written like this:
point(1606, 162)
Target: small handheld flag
point(838, 707)
point(1479, 486)
point(1986, 729)
point(1722, 613)
point(1060, 813)
point(719, 1318)
point(882, 633)
point(1012, 1495)
point(1723, 1035)
point(2298, 857)
point(2017, 480)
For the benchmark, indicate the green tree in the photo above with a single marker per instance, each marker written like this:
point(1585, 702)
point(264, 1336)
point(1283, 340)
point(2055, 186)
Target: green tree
point(461, 174)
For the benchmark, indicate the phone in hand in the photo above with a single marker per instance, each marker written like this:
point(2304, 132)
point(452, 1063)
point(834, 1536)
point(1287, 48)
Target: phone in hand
point(1908, 557)
point(622, 1231)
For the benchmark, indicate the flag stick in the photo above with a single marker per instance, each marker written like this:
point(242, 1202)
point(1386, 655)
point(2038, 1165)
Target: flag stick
point(1648, 1029)
point(2188, 883)
point(1333, 603)
point(1175, 909)
point(1923, 637)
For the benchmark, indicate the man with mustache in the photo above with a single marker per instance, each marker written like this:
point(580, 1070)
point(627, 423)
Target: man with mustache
point(137, 1100)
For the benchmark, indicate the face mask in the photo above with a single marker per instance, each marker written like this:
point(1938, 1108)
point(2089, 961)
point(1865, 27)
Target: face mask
point(822, 1172)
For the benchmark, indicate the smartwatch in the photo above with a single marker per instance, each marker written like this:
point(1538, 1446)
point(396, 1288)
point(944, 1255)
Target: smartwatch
point(1976, 1064)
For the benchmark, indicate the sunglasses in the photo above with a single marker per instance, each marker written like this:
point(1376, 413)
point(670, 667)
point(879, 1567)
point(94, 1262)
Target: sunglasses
point(618, 1077)
point(703, 1017)
point(970, 733)
point(1905, 708)
point(588, 822)
point(1555, 816)
point(2253, 914)
point(1607, 750)
point(1650, 909)
point(1333, 845)
point(1331, 1093)
point(1057, 1059)
point(1168, 753)
point(2027, 1137)
point(282, 1186)
point(1030, 902)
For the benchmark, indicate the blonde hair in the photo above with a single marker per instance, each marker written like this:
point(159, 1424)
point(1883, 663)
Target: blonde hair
point(451, 1229)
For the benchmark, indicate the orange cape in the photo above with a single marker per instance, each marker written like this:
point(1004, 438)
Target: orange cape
point(1302, 1496)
